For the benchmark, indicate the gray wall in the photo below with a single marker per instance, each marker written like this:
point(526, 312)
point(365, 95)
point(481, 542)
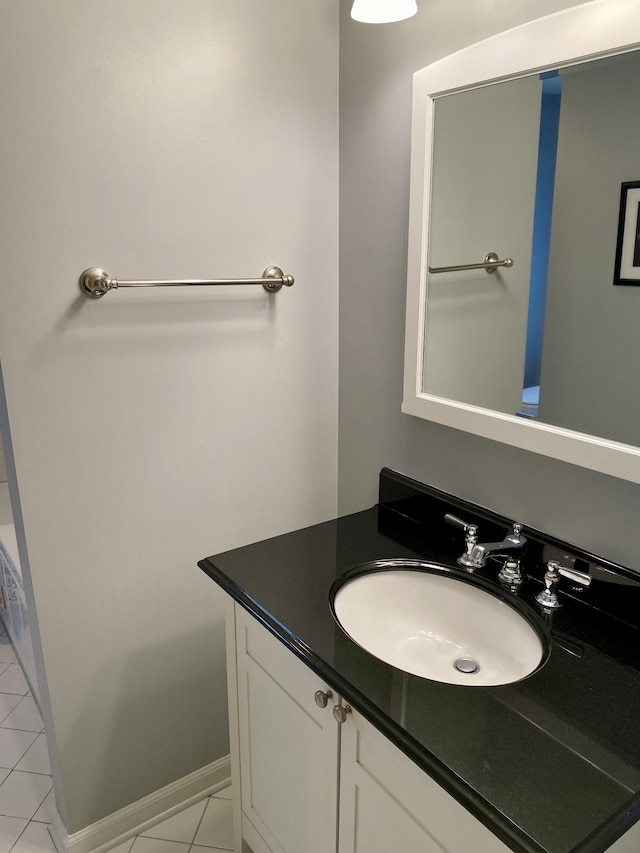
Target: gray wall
point(591, 340)
point(3, 464)
point(161, 138)
point(377, 63)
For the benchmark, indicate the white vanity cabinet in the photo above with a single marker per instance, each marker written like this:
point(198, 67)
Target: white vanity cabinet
point(311, 785)
point(388, 804)
point(287, 747)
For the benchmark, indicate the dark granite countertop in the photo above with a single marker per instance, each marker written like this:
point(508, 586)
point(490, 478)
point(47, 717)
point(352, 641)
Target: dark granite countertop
point(550, 764)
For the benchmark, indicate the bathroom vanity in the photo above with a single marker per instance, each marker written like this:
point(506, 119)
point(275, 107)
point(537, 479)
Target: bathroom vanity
point(335, 750)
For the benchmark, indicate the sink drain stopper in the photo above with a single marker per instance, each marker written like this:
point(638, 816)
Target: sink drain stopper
point(467, 665)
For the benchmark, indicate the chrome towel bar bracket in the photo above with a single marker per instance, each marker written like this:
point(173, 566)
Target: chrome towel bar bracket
point(95, 282)
point(490, 264)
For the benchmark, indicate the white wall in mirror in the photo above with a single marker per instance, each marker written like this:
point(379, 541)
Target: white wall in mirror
point(482, 198)
point(489, 335)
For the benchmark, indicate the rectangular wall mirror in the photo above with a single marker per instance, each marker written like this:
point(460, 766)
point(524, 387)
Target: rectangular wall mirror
point(523, 146)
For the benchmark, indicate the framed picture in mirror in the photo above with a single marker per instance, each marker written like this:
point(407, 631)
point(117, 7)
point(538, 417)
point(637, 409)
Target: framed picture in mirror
point(627, 269)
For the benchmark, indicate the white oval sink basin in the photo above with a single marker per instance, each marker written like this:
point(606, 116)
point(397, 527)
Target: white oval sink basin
point(435, 624)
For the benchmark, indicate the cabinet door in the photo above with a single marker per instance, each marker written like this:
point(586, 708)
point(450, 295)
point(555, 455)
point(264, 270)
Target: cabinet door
point(288, 745)
point(388, 804)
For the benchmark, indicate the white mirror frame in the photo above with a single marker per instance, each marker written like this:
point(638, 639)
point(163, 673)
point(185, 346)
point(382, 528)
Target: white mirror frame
point(579, 34)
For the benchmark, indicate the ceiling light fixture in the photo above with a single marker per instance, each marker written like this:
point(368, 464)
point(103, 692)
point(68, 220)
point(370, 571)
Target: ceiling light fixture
point(382, 11)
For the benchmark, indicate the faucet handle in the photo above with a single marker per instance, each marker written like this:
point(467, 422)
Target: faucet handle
point(470, 540)
point(454, 521)
point(548, 598)
point(573, 574)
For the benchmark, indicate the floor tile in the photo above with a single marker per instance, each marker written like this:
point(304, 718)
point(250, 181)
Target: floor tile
point(8, 702)
point(13, 745)
point(198, 848)
point(46, 812)
point(24, 715)
point(224, 793)
point(35, 839)
point(10, 830)
point(4, 772)
point(36, 758)
point(13, 681)
point(7, 654)
point(180, 827)
point(216, 829)
point(22, 794)
point(155, 845)
point(125, 847)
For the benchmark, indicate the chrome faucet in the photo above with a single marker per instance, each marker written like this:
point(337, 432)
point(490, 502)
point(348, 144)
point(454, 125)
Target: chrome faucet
point(475, 554)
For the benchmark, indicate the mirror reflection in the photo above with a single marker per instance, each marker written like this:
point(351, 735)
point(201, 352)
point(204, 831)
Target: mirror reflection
point(532, 169)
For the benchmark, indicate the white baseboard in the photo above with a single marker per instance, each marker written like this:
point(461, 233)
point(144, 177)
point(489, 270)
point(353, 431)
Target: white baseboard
point(139, 816)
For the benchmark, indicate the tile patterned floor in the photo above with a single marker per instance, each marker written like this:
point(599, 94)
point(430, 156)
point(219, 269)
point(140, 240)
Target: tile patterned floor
point(26, 799)
point(202, 828)
point(26, 795)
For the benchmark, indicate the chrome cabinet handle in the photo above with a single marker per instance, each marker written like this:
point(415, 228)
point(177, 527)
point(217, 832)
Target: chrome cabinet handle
point(340, 713)
point(322, 698)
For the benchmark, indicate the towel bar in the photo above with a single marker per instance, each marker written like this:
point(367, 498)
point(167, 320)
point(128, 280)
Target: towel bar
point(95, 281)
